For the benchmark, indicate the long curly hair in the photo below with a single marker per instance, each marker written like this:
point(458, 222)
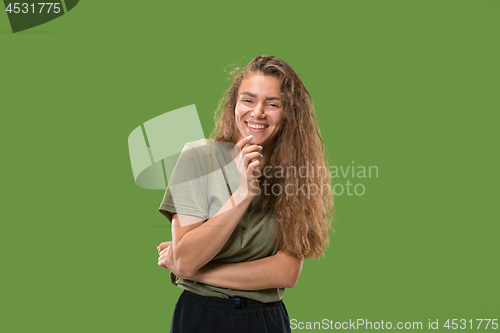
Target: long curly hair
point(302, 215)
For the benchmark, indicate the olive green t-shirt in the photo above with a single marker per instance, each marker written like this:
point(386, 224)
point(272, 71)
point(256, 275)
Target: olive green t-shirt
point(203, 179)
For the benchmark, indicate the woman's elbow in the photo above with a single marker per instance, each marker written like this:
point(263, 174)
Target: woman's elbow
point(185, 262)
point(294, 273)
point(292, 280)
point(185, 268)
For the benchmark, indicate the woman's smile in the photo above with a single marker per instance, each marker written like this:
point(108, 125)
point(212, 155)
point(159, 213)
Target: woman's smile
point(256, 127)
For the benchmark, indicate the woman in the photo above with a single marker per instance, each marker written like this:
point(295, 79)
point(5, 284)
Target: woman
point(245, 216)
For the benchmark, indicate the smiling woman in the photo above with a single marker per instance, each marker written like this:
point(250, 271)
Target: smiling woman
point(235, 248)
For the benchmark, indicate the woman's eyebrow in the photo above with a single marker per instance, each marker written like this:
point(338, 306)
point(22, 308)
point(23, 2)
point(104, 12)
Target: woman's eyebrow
point(255, 96)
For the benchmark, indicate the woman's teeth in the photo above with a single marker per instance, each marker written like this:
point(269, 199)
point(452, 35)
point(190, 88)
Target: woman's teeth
point(256, 126)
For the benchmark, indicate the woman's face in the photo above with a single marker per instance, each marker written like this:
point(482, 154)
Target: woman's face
point(258, 108)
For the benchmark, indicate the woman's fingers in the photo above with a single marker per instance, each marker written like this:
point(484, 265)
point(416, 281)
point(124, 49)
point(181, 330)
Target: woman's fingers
point(248, 160)
point(252, 156)
point(251, 148)
point(253, 165)
point(169, 255)
point(248, 151)
point(163, 259)
point(162, 262)
point(166, 257)
point(163, 246)
point(243, 142)
point(162, 253)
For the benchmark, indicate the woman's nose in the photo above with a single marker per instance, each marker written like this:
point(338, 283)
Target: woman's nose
point(259, 110)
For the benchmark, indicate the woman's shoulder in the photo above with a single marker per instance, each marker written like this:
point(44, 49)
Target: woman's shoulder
point(205, 151)
point(207, 147)
point(209, 154)
point(193, 159)
point(199, 147)
point(202, 143)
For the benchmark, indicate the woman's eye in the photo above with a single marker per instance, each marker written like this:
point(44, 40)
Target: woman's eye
point(247, 100)
point(274, 105)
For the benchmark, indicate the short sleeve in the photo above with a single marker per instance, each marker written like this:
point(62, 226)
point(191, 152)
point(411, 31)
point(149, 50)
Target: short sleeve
point(186, 192)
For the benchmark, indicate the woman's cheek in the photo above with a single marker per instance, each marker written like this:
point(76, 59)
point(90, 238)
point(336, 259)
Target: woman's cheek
point(241, 110)
point(237, 114)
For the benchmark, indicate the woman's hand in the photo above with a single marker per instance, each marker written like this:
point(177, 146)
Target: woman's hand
point(248, 160)
point(166, 258)
point(163, 245)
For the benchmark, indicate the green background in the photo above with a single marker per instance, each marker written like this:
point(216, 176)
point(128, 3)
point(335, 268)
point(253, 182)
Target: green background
point(408, 86)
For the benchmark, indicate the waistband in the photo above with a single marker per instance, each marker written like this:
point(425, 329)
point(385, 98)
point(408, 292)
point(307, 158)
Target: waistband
point(195, 300)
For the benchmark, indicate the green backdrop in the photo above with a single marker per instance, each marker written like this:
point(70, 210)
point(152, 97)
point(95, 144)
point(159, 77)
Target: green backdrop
point(408, 86)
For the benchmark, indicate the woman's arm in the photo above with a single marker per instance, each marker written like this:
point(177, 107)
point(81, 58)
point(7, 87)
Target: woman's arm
point(279, 270)
point(195, 242)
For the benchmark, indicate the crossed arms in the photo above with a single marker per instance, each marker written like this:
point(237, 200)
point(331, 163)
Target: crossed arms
point(195, 242)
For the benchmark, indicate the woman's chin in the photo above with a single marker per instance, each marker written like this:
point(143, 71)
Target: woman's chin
point(259, 137)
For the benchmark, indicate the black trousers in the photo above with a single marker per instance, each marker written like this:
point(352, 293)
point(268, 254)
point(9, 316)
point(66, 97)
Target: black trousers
point(195, 313)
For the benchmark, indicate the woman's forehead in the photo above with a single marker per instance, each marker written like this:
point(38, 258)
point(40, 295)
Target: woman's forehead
point(259, 85)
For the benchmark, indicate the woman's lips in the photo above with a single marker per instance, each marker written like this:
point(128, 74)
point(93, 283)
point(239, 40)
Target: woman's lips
point(256, 126)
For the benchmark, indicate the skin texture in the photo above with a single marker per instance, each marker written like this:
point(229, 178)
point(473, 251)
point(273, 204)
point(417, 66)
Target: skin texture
point(196, 242)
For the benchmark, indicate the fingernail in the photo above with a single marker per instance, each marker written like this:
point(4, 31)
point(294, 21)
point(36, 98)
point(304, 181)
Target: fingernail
point(260, 147)
point(249, 137)
point(261, 155)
